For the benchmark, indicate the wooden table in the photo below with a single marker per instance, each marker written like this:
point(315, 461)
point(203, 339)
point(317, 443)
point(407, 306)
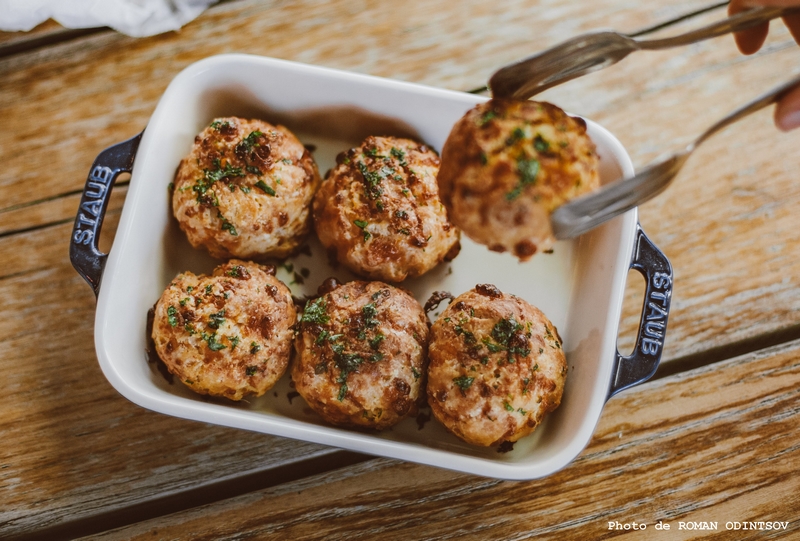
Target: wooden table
point(714, 437)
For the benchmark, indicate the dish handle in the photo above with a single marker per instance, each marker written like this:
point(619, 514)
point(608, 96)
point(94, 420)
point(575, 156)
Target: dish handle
point(657, 271)
point(84, 251)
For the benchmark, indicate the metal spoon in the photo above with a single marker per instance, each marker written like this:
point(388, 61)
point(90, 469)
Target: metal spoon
point(591, 210)
point(594, 51)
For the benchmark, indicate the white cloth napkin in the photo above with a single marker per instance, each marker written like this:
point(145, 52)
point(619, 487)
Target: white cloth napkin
point(136, 18)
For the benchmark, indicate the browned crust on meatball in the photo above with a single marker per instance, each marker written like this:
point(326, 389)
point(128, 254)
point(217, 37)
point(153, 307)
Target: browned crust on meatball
point(379, 211)
point(229, 334)
point(507, 164)
point(361, 355)
point(245, 190)
point(496, 367)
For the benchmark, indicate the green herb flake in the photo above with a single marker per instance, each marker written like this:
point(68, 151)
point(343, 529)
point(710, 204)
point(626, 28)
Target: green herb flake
point(234, 340)
point(321, 337)
point(218, 124)
point(315, 312)
point(517, 135)
point(375, 342)
point(400, 155)
point(416, 373)
point(486, 117)
point(216, 319)
point(540, 144)
point(248, 143)
point(528, 171)
point(213, 343)
point(508, 406)
point(463, 382)
point(251, 370)
point(172, 316)
point(184, 301)
point(254, 348)
point(265, 188)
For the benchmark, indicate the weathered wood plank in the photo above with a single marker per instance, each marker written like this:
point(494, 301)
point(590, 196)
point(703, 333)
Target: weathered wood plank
point(714, 444)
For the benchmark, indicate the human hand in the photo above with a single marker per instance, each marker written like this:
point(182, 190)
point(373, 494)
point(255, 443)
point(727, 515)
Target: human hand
point(787, 112)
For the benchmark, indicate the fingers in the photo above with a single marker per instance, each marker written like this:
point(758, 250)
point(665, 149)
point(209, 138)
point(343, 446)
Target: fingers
point(793, 22)
point(748, 41)
point(787, 112)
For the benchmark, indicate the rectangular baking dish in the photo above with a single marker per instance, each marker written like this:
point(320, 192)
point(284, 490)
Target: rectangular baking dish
point(579, 286)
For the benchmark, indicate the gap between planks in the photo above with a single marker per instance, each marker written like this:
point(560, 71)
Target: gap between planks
point(196, 497)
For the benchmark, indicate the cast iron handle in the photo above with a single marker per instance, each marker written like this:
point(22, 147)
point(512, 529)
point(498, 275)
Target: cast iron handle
point(643, 362)
point(84, 252)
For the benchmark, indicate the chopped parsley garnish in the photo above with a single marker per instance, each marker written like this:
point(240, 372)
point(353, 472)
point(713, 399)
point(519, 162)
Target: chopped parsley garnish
point(487, 116)
point(362, 225)
point(216, 319)
point(213, 343)
point(517, 135)
point(315, 312)
point(234, 340)
point(528, 171)
point(347, 363)
point(183, 301)
point(248, 143)
point(415, 372)
point(469, 338)
point(217, 124)
point(254, 347)
point(227, 226)
point(375, 342)
point(251, 370)
point(463, 382)
point(373, 179)
point(508, 406)
point(369, 312)
point(172, 316)
point(265, 188)
point(399, 154)
point(219, 172)
point(540, 144)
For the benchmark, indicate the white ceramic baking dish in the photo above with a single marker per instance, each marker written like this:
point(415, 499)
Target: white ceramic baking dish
point(579, 286)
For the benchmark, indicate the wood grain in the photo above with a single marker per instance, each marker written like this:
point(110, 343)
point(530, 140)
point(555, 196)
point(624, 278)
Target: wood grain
point(72, 449)
point(715, 444)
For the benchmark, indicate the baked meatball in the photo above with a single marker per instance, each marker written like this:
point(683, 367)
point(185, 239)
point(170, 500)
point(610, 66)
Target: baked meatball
point(245, 190)
point(507, 164)
point(229, 334)
point(361, 355)
point(496, 367)
point(379, 212)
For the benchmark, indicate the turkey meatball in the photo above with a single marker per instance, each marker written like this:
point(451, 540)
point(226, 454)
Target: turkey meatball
point(496, 367)
point(379, 212)
point(229, 334)
point(507, 164)
point(245, 190)
point(361, 355)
